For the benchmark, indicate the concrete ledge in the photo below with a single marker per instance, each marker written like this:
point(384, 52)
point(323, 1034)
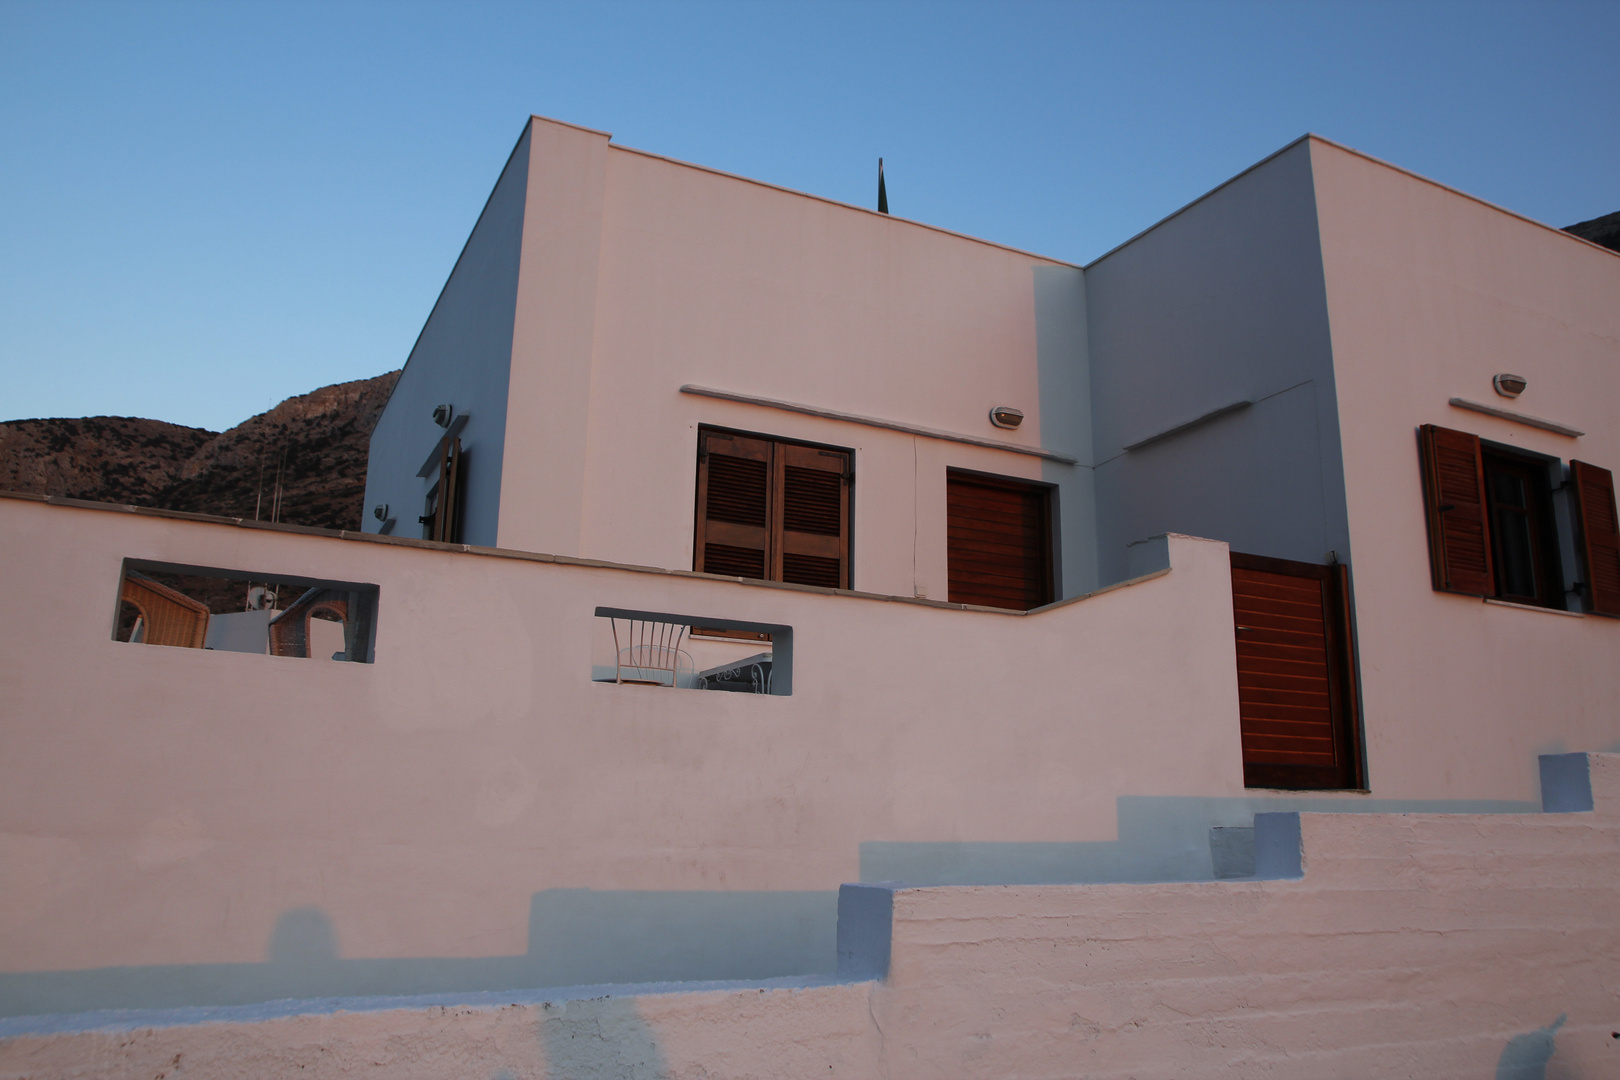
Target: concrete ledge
point(1278, 848)
point(137, 1019)
point(1566, 783)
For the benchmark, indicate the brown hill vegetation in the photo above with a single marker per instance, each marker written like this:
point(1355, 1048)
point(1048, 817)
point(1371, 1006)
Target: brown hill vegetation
point(303, 462)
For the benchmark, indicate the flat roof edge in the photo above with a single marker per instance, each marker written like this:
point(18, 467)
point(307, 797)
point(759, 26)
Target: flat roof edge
point(1311, 136)
point(1188, 206)
point(1325, 141)
point(566, 124)
point(844, 205)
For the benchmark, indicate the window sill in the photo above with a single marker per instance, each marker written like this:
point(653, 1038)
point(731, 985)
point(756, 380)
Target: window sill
point(1535, 607)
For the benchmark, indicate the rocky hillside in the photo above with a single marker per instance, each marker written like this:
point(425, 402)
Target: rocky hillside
point(303, 462)
point(1604, 230)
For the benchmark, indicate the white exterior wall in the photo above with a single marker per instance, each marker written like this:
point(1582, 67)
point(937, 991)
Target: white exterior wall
point(725, 283)
point(1431, 294)
point(641, 275)
point(184, 825)
point(1222, 302)
point(1421, 945)
point(462, 358)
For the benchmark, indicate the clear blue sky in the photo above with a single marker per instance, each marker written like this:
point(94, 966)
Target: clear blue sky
point(208, 207)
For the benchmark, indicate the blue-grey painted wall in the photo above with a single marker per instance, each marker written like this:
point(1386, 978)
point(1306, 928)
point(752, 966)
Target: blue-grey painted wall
point(463, 357)
point(1065, 402)
point(1223, 302)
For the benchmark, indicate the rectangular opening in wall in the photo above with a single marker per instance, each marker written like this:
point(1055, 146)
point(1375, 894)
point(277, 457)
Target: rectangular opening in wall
point(684, 652)
point(194, 607)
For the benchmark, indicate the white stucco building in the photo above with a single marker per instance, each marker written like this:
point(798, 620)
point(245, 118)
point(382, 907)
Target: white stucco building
point(1307, 506)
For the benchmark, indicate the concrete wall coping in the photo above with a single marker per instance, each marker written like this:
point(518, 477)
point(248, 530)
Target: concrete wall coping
point(569, 560)
point(136, 1019)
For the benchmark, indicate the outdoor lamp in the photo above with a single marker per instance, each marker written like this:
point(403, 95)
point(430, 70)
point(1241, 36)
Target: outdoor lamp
point(1510, 385)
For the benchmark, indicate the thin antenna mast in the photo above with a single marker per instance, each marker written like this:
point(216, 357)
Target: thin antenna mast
point(275, 508)
point(258, 499)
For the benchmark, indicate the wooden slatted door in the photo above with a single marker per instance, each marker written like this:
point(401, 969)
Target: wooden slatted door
point(1295, 681)
point(998, 535)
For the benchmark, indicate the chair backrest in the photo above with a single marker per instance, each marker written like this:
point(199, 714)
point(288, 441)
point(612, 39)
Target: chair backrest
point(649, 652)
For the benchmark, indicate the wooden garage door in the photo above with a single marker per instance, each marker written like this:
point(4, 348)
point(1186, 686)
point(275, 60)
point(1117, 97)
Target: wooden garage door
point(1295, 688)
point(999, 541)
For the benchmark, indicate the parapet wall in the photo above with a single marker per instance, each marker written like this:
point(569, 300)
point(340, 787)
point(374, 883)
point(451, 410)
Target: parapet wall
point(1413, 945)
point(1419, 945)
point(475, 810)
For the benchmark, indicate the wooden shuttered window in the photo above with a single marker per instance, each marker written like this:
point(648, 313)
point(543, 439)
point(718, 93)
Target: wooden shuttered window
point(1296, 687)
point(998, 535)
point(1600, 535)
point(1454, 492)
point(772, 509)
point(442, 522)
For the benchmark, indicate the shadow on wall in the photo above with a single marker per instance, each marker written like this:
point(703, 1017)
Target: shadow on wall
point(1526, 1056)
point(1161, 838)
point(581, 937)
point(576, 937)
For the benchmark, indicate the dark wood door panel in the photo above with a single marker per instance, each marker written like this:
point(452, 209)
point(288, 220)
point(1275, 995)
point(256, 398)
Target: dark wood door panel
point(1295, 706)
point(998, 542)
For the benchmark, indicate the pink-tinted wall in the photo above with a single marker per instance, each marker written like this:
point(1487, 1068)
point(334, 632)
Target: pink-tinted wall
point(1413, 945)
point(1431, 294)
point(165, 807)
point(641, 275)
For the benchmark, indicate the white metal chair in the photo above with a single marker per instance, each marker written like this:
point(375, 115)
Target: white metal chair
point(649, 653)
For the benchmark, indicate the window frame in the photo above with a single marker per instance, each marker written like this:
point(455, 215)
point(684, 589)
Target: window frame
point(1546, 562)
point(443, 505)
point(1456, 463)
point(780, 450)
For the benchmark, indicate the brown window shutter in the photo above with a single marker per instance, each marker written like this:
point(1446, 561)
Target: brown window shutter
point(445, 524)
point(733, 506)
point(813, 545)
point(1454, 490)
point(1600, 535)
point(450, 495)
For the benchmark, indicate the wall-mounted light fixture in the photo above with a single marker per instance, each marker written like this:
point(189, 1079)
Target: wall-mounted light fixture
point(1006, 416)
point(1510, 385)
point(443, 414)
point(380, 511)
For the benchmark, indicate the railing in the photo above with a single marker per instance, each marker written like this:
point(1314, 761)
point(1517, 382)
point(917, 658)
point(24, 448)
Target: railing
point(692, 652)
